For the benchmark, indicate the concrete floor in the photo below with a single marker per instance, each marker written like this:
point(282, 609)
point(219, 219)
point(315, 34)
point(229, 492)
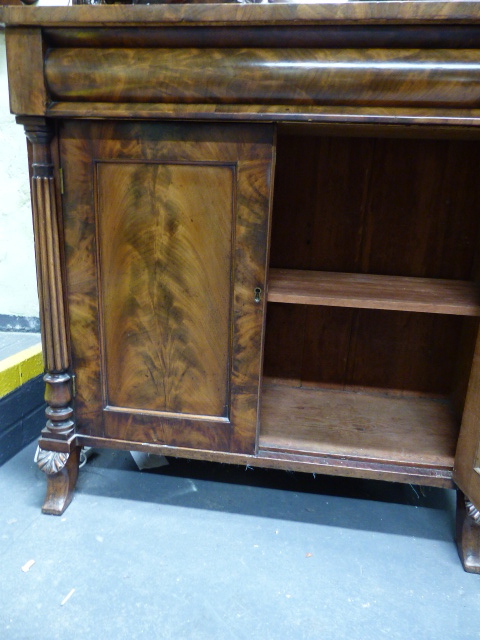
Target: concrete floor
point(12, 342)
point(197, 550)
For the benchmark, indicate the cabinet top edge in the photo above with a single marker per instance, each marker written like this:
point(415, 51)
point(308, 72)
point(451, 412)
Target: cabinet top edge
point(369, 12)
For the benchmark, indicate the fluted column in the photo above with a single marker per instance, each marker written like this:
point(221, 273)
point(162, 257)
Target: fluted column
point(54, 456)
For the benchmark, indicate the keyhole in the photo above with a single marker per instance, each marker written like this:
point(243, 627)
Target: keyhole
point(258, 294)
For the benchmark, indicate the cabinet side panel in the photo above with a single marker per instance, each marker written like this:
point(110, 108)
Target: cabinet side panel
point(165, 235)
point(467, 458)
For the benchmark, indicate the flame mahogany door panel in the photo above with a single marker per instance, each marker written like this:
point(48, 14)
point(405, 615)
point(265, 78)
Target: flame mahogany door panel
point(165, 247)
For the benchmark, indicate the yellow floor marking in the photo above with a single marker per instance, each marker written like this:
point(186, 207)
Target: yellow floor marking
point(19, 368)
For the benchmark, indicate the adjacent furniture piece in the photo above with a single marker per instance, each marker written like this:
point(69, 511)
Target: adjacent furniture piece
point(258, 236)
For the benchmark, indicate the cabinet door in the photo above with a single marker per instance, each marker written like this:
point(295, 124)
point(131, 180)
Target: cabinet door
point(466, 471)
point(166, 244)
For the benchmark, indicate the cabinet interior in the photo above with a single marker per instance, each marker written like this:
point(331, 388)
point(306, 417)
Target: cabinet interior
point(373, 301)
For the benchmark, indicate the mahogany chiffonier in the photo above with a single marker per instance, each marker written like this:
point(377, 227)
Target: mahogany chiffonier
point(257, 234)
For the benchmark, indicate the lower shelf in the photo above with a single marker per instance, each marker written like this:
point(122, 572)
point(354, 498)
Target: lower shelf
point(420, 432)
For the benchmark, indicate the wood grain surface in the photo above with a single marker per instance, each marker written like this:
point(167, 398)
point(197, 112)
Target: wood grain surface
point(167, 232)
point(356, 290)
point(165, 235)
point(376, 205)
point(373, 77)
point(61, 466)
point(358, 425)
point(166, 241)
point(395, 12)
point(458, 119)
point(273, 35)
point(47, 225)
point(372, 206)
point(28, 94)
point(401, 353)
point(467, 458)
point(275, 459)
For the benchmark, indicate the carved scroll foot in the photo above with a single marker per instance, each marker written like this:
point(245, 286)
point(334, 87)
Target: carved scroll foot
point(62, 473)
point(468, 534)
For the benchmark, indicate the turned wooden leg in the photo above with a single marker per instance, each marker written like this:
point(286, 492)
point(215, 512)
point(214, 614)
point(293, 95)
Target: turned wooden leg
point(468, 534)
point(58, 455)
point(62, 472)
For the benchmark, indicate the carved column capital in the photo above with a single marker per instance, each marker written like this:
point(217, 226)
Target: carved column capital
point(38, 132)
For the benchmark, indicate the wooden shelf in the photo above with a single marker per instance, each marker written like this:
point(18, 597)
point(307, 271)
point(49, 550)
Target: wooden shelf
point(396, 293)
point(415, 431)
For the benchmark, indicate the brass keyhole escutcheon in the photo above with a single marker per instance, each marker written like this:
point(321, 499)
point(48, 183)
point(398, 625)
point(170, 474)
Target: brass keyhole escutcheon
point(258, 294)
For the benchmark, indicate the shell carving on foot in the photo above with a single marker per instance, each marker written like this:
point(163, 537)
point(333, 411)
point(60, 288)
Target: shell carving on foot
point(51, 462)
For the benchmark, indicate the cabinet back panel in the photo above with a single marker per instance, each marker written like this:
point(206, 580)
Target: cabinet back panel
point(371, 205)
point(397, 351)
